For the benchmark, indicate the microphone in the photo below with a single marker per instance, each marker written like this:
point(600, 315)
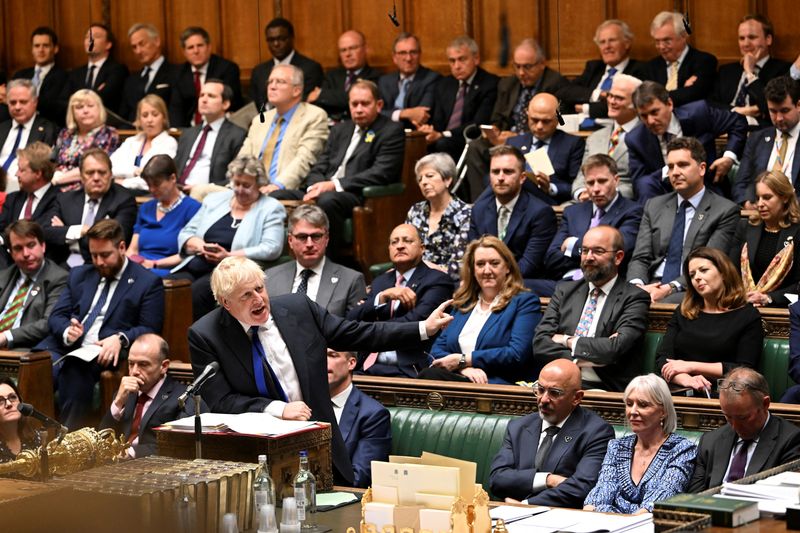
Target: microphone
point(686, 25)
point(262, 111)
point(393, 15)
point(91, 40)
point(559, 116)
point(209, 371)
point(28, 410)
point(471, 132)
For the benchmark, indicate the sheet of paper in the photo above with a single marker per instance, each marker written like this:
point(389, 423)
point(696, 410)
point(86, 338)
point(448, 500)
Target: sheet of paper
point(511, 512)
point(791, 297)
point(467, 472)
point(265, 424)
point(86, 353)
point(539, 161)
point(335, 498)
point(208, 420)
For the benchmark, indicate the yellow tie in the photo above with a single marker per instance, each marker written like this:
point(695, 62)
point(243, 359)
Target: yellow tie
point(781, 158)
point(672, 80)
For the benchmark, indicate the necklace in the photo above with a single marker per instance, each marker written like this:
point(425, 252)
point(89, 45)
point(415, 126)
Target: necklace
point(171, 206)
point(772, 230)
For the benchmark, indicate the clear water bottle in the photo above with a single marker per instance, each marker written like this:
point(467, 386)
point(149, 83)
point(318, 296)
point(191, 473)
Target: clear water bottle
point(305, 493)
point(185, 509)
point(263, 491)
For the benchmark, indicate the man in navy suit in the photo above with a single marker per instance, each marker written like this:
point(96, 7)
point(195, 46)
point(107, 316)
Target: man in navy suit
point(364, 423)
point(406, 293)
point(408, 93)
point(555, 467)
point(662, 122)
point(101, 74)
point(517, 216)
point(25, 127)
point(47, 77)
point(763, 149)
point(104, 308)
point(564, 150)
point(792, 394)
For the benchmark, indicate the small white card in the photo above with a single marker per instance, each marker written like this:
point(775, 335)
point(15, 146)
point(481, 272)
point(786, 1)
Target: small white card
point(539, 161)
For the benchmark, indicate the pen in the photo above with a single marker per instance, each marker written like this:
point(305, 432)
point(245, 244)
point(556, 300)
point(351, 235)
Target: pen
point(708, 394)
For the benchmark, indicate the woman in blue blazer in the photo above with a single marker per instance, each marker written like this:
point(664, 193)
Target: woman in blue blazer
point(494, 318)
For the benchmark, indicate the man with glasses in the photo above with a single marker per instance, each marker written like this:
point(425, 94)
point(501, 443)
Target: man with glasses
point(552, 457)
point(752, 441)
point(408, 93)
point(334, 287)
point(598, 321)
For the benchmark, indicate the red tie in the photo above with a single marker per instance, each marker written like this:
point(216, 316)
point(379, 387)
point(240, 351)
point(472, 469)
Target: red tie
point(29, 207)
point(197, 118)
point(137, 416)
point(196, 155)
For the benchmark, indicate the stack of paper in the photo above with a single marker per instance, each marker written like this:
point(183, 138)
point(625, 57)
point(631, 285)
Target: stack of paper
point(773, 494)
point(575, 521)
point(246, 423)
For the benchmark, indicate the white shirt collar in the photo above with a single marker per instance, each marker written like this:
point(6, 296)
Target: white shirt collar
point(285, 61)
point(621, 66)
point(98, 63)
point(628, 126)
point(510, 205)
point(605, 288)
point(681, 57)
point(155, 65)
point(316, 269)
point(341, 399)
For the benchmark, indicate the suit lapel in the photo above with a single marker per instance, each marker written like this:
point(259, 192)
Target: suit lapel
point(608, 307)
point(130, 412)
point(564, 439)
point(574, 312)
point(796, 163)
point(698, 221)
point(126, 281)
point(327, 284)
point(533, 432)
point(348, 130)
point(516, 216)
point(286, 322)
point(158, 401)
point(220, 144)
point(722, 456)
point(766, 445)
point(349, 413)
point(6, 279)
point(92, 282)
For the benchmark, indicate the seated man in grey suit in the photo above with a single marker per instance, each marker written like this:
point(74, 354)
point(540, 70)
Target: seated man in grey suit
point(334, 287)
point(29, 288)
point(675, 223)
point(724, 455)
point(553, 456)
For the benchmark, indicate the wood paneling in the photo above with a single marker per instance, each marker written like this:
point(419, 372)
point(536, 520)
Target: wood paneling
point(126, 14)
point(370, 17)
point(783, 14)
point(521, 19)
point(569, 48)
point(315, 34)
point(21, 17)
point(638, 15)
point(181, 14)
point(435, 30)
point(716, 29)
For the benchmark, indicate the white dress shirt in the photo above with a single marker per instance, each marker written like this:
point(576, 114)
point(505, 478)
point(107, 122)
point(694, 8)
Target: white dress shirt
point(202, 169)
point(312, 287)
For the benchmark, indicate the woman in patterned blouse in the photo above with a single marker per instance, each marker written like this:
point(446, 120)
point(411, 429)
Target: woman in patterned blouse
point(442, 220)
point(15, 433)
point(649, 465)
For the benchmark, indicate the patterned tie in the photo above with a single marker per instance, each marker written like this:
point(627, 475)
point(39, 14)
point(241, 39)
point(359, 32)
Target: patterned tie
point(520, 112)
point(90, 77)
point(587, 317)
point(196, 155)
point(458, 108)
point(198, 119)
point(275, 391)
point(348, 82)
point(545, 445)
point(268, 154)
point(672, 268)
point(95, 311)
point(10, 316)
point(28, 213)
point(13, 155)
point(400, 101)
point(739, 462)
point(741, 94)
point(780, 158)
point(672, 79)
point(137, 416)
point(304, 275)
point(614, 140)
point(606, 85)
point(503, 215)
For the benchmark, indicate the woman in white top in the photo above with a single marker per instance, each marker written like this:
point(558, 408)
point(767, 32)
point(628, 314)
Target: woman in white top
point(130, 158)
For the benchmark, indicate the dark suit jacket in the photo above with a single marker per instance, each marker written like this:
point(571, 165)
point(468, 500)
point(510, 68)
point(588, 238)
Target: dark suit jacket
point(431, 286)
point(229, 141)
point(624, 314)
point(377, 160)
point(108, 82)
point(41, 130)
point(136, 308)
point(697, 119)
point(38, 305)
point(340, 288)
point(312, 77)
point(580, 90)
point(754, 161)
point(52, 103)
point(419, 93)
point(184, 100)
point(696, 63)
point(333, 99)
point(118, 203)
point(529, 232)
point(508, 92)
point(15, 203)
point(625, 215)
point(163, 84)
point(478, 104)
point(367, 432)
point(778, 443)
point(794, 345)
point(218, 336)
point(727, 85)
point(577, 454)
point(565, 152)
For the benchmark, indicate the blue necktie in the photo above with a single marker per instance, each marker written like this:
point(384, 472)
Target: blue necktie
point(400, 101)
point(13, 155)
point(95, 311)
point(672, 268)
point(606, 85)
point(259, 362)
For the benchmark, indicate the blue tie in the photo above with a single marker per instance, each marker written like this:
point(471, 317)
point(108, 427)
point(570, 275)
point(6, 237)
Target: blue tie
point(259, 362)
point(672, 268)
point(13, 154)
point(95, 311)
point(606, 85)
point(400, 101)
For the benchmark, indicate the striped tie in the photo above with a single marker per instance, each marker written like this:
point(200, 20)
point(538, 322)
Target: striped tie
point(780, 157)
point(11, 313)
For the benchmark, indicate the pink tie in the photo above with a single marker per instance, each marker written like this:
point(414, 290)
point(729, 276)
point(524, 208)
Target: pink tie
point(373, 357)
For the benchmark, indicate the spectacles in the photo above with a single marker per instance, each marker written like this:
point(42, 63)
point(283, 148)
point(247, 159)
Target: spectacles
point(11, 399)
point(540, 391)
point(595, 251)
point(303, 237)
point(735, 386)
point(407, 53)
point(527, 67)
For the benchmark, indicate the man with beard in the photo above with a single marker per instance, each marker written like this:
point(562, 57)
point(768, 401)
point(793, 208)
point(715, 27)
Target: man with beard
point(552, 457)
point(599, 321)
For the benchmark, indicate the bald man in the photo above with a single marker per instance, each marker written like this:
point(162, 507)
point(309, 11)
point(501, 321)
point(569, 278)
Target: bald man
point(554, 467)
point(564, 150)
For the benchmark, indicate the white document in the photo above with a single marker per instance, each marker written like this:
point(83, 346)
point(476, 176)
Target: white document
point(512, 512)
point(86, 353)
point(207, 420)
point(265, 424)
point(539, 161)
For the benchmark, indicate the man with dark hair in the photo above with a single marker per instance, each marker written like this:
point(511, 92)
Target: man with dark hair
point(201, 65)
point(661, 122)
point(30, 287)
point(409, 91)
point(775, 147)
point(675, 223)
point(101, 74)
point(106, 306)
point(24, 127)
point(48, 78)
point(279, 34)
point(752, 441)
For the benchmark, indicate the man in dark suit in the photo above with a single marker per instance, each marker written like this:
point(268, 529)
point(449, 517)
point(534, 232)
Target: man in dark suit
point(77, 211)
point(147, 397)
point(279, 34)
point(517, 216)
point(25, 126)
point(740, 85)
point(556, 467)
point(463, 99)
point(587, 93)
point(676, 223)
point(30, 287)
point(105, 306)
point(408, 92)
point(792, 394)
point(408, 292)
point(221, 143)
point(605, 206)
point(510, 113)
point(334, 287)
point(289, 379)
point(332, 96)
point(201, 65)
point(599, 322)
point(157, 75)
point(724, 454)
point(101, 74)
point(47, 77)
point(364, 423)
point(564, 151)
point(687, 73)
point(647, 143)
point(765, 148)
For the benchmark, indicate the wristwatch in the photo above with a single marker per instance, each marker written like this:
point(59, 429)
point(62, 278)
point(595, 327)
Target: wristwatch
point(462, 363)
point(123, 340)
